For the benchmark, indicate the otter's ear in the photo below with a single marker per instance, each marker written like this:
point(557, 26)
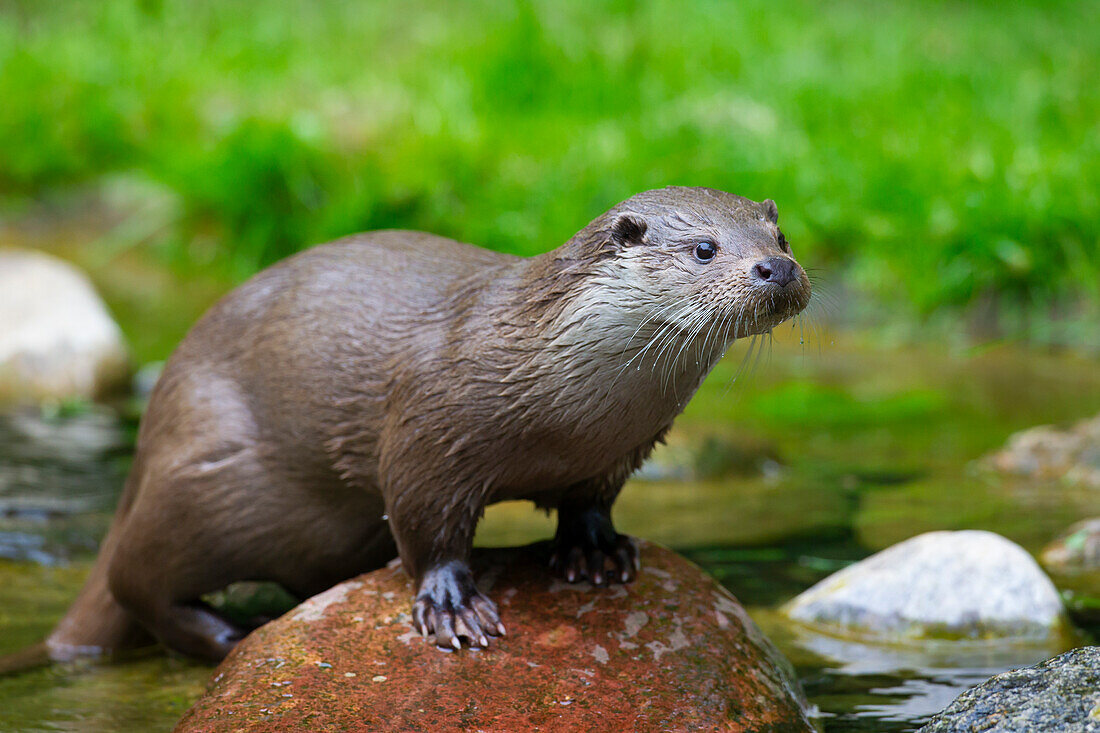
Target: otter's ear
point(771, 211)
point(628, 229)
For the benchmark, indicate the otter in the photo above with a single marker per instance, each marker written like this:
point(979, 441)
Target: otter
point(369, 397)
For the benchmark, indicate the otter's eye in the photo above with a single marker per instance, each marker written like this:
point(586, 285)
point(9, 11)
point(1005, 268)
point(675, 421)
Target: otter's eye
point(705, 251)
point(783, 245)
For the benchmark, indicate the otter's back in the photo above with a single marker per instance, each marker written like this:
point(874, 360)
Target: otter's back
point(310, 339)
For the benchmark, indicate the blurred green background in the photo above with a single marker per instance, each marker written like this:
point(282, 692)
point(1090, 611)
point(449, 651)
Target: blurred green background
point(937, 159)
point(936, 166)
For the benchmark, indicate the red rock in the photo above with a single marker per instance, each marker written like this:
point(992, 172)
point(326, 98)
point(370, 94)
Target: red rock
point(672, 651)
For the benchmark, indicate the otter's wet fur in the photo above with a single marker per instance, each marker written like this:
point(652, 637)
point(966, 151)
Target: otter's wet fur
point(371, 396)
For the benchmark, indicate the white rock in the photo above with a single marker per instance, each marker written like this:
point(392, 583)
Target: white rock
point(969, 584)
point(56, 338)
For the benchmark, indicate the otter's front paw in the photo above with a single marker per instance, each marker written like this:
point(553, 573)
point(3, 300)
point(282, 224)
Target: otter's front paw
point(450, 606)
point(585, 545)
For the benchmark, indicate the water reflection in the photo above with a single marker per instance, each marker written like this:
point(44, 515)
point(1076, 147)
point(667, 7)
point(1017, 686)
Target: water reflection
point(903, 684)
point(60, 474)
point(924, 696)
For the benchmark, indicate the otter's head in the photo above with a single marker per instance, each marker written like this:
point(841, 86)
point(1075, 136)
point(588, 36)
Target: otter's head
point(702, 261)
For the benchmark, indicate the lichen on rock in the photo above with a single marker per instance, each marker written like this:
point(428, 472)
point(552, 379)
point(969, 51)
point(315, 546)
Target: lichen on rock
point(1059, 695)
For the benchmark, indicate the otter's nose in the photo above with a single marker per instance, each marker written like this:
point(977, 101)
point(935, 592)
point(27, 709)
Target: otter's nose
point(778, 270)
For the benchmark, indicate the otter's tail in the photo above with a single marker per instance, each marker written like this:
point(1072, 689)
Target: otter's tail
point(95, 625)
point(30, 658)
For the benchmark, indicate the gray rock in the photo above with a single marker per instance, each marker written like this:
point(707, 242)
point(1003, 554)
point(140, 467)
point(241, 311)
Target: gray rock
point(1077, 550)
point(1061, 694)
point(954, 585)
point(57, 340)
point(1046, 453)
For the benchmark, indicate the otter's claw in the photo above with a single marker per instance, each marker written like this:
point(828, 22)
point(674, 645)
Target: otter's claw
point(451, 607)
point(586, 544)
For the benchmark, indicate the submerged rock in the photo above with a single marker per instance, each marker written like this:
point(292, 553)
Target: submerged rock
point(672, 651)
point(710, 457)
point(1061, 694)
point(969, 584)
point(1047, 452)
point(1077, 550)
point(57, 340)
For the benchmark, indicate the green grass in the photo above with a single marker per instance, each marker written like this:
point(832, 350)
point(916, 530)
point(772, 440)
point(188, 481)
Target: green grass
point(935, 153)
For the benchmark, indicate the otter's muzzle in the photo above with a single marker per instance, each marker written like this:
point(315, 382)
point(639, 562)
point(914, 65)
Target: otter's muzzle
point(780, 271)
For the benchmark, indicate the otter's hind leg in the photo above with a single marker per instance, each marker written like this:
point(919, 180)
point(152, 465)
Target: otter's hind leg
point(195, 630)
point(187, 625)
point(237, 515)
point(190, 531)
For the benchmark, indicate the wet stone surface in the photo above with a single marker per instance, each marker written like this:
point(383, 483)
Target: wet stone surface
point(1061, 694)
point(672, 651)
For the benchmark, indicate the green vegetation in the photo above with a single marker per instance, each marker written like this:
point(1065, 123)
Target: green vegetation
point(934, 153)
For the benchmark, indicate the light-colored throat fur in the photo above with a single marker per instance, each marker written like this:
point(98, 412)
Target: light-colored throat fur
point(626, 341)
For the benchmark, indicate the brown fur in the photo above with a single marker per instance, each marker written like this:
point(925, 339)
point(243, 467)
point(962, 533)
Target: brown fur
point(373, 395)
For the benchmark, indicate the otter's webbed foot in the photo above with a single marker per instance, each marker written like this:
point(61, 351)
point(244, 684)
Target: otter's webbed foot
point(586, 543)
point(450, 606)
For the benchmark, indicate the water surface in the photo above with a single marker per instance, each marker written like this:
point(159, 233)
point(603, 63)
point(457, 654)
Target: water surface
point(823, 455)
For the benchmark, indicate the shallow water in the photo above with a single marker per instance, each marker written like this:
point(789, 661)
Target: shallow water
point(851, 448)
